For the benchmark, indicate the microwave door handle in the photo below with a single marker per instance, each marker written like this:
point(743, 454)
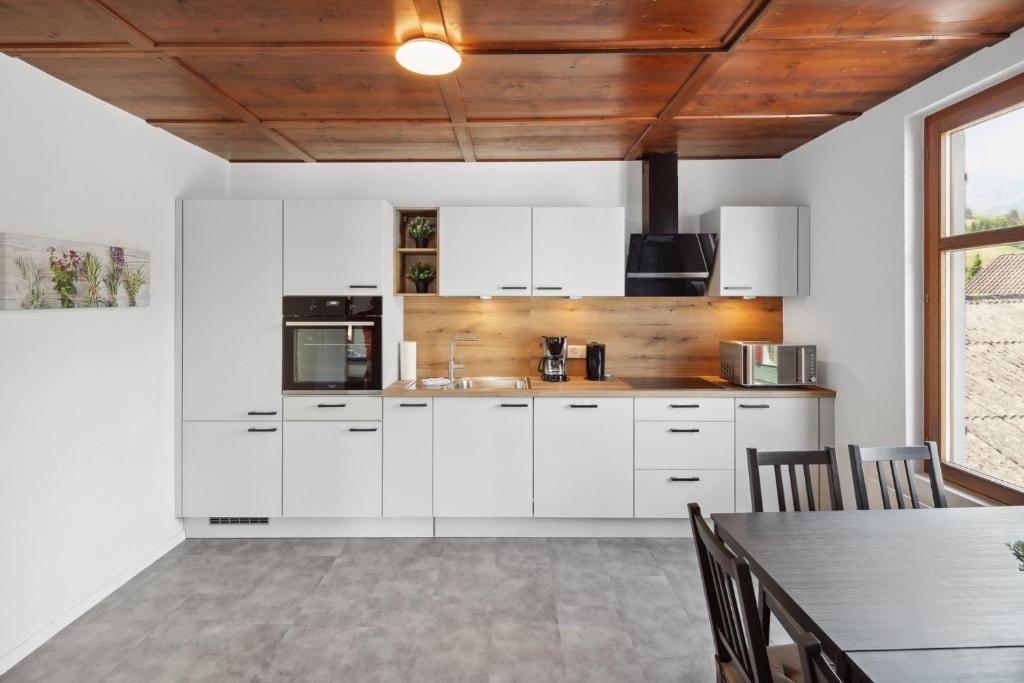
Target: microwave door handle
point(800, 361)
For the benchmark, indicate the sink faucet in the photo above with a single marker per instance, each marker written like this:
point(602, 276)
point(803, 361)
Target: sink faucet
point(452, 365)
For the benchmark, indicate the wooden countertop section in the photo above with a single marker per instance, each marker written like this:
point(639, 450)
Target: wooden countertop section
point(578, 386)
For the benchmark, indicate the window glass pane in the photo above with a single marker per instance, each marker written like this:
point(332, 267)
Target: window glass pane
point(986, 167)
point(985, 385)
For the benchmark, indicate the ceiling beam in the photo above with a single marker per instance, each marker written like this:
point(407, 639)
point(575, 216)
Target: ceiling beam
point(708, 66)
point(142, 43)
point(432, 23)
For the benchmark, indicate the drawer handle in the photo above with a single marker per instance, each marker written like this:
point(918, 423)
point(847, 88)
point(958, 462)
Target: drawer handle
point(754, 405)
point(737, 287)
point(684, 405)
point(582, 405)
point(268, 429)
point(362, 286)
point(412, 405)
point(330, 405)
point(515, 405)
point(263, 412)
point(549, 289)
point(362, 429)
point(513, 287)
point(684, 431)
point(684, 478)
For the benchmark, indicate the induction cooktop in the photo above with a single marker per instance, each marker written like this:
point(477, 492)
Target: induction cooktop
point(669, 383)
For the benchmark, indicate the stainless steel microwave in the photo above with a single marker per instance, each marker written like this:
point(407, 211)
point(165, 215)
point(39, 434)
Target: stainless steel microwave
point(752, 364)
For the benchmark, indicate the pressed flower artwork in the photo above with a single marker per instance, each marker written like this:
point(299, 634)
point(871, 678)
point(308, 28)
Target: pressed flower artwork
point(38, 272)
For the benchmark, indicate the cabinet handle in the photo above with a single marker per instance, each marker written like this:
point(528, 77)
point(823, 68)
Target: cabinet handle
point(362, 286)
point(362, 429)
point(330, 405)
point(754, 405)
point(684, 431)
point(737, 287)
point(412, 405)
point(263, 412)
point(268, 429)
point(582, 405)
point(515, 405)
point(684, 478)
point(684, 405)
point(510, 287)
point(552, 289)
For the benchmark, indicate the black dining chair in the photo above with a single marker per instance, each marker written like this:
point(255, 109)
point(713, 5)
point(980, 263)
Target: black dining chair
point(741, 652)
point(797, 465)
point(814, 666)
point(900, 460)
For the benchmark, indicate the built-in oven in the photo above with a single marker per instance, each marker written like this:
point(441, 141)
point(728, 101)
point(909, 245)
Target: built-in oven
point(332, 344)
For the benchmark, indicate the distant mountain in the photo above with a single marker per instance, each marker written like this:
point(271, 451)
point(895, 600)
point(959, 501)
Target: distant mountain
point(995, 196)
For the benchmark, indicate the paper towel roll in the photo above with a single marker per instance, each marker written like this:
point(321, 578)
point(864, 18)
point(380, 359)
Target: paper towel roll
point(407, 360)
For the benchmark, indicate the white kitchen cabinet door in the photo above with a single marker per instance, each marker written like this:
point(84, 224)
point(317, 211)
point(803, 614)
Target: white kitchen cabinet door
point(231, 310)
point(583, 457)
point(771, 424)
point(408, 457)
point(579, 251)
point(484, 251)
point(759, 250)
point(483, 457)
point(332, 469)
point(335, 246)
point(231, 469)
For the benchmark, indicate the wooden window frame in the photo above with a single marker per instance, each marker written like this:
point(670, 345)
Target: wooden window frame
point(989, 103)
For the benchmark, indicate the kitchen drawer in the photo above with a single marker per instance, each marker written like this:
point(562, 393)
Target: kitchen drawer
point(658, 496)
point(693, 445)
point(686, 408)
point(336, 407)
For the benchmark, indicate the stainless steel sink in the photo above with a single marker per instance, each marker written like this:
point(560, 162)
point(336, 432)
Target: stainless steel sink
point(492, 383)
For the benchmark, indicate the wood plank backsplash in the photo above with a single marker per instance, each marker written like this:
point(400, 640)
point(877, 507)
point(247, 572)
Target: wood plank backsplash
point(644, 337)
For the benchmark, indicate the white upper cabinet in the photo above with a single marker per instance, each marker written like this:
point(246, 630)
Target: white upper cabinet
point(579, 251)
point(762, 250)
point(335, 246)
point(231, 310)
point(484, 251)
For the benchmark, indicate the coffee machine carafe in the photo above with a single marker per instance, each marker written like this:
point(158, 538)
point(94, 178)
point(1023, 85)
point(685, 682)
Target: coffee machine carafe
point(552, 365)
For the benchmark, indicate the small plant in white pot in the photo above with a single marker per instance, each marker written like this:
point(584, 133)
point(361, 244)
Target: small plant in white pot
point(422, 274)
point(421, 230)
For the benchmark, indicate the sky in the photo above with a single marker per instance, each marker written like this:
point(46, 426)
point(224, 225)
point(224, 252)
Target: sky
point(995, 164)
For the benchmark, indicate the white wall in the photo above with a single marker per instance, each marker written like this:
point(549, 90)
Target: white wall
point(702, 184)
point(87, 396)
point(864, 184)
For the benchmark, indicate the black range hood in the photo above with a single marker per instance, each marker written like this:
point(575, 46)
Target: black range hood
point(661, 261)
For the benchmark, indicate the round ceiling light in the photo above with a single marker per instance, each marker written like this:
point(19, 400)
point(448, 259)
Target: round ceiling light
point(428, 56)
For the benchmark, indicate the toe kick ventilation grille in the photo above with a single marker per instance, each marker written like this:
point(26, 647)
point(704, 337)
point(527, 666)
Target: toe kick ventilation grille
point(239, 520)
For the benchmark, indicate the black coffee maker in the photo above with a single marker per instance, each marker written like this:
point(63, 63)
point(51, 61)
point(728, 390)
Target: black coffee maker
point(595, 362)
point(553, 365)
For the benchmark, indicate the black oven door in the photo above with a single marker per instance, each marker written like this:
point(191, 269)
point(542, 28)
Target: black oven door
point(331, 356)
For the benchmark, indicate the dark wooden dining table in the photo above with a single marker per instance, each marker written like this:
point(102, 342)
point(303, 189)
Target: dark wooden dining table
point(907, 595)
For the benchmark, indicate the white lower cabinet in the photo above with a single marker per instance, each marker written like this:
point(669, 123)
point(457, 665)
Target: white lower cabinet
point(231, 469)
point(408, 457)
point(583, 457)
point(771, 424)
point(483, 457)
point(666, 493)
point(332, 469)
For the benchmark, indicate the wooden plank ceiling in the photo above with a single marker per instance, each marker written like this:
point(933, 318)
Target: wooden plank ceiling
point(316, 80)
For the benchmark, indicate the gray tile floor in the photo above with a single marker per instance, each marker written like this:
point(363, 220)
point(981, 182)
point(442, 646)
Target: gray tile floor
point(492, 610)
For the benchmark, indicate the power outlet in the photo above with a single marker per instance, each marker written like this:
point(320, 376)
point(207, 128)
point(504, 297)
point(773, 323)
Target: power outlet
point(577, 351)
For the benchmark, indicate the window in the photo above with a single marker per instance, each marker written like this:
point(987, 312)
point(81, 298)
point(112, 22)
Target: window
point(974, 290)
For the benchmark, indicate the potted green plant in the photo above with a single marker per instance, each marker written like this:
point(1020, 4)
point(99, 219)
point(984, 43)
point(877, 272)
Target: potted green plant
point(421, 230)
point(422, 274)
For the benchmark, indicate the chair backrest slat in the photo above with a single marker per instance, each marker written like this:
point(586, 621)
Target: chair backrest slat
point(894, 457)
point(732, 606)
point(795, 464)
